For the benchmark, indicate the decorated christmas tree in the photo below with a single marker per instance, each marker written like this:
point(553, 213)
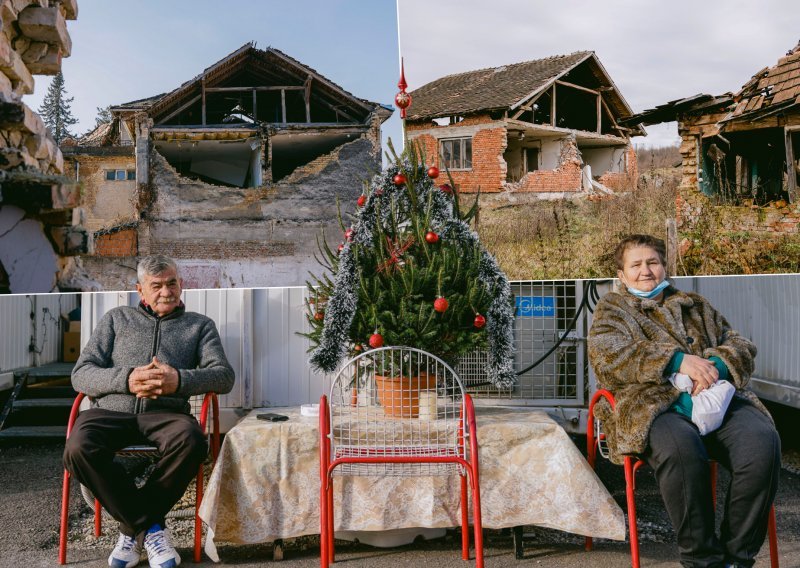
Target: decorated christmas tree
point(410, 272)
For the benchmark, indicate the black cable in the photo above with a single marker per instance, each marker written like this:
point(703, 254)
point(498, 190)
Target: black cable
point(570, 327)
point(590, 298)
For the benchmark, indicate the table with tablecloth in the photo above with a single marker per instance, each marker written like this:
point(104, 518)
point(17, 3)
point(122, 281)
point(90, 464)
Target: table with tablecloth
point(265, 485)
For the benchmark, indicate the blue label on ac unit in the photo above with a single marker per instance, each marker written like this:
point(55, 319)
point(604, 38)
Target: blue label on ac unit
point(536, 306)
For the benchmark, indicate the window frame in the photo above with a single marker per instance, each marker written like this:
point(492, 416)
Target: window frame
point(464, 157)
point(119, 174)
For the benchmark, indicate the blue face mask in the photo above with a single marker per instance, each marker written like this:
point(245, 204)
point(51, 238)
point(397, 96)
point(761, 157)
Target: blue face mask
point(652, 293)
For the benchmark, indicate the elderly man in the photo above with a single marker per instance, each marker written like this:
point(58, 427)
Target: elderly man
point(139, 369)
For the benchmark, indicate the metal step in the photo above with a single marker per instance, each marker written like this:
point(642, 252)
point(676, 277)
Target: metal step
point(49, 392)
point(42, 403)
point(39, 432)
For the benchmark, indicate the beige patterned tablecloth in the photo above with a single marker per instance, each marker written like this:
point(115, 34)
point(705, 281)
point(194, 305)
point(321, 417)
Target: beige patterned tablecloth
point(265, 485)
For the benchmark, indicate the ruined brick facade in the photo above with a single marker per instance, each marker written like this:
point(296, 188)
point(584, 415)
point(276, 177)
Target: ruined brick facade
point(506, 121)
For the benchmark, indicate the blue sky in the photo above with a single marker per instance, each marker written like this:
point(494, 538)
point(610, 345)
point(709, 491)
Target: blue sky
point(124, 51)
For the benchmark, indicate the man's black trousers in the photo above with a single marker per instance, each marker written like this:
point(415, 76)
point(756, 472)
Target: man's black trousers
point(98, 434)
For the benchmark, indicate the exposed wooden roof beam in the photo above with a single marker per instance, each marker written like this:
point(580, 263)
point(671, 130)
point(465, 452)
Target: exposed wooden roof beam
point(239, 89)
point(574, 86)
point(529, 105)
point(180, 109)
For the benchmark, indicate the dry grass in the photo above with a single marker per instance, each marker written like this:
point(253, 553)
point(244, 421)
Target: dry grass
point(575, 239)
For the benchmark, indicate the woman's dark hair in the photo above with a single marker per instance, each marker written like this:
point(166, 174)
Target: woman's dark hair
point(633, 241)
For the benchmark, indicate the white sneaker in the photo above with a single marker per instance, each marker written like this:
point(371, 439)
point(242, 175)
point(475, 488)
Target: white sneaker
point(160, 551)
point(127, 553)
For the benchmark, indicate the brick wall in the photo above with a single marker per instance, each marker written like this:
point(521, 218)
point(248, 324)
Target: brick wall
point(222, 249)
point(692, 204)
point(118, 243)
point(489, 142)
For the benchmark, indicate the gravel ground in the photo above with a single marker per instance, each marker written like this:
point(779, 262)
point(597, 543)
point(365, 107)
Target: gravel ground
point(30, 477)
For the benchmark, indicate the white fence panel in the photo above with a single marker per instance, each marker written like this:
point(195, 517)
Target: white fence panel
point(31, 328)
point(283, 375)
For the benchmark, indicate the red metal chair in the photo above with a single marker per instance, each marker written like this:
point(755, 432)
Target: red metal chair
point(209, 400)
point(418, 424)
point(595, 443)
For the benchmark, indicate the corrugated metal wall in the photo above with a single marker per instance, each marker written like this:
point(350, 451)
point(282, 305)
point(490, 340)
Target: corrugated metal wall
point(766, 309)
point(32, 321)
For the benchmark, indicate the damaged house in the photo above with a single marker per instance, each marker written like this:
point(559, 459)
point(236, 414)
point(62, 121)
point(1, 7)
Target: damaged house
point(741, 152)
point(234, 173)
point(550, 127)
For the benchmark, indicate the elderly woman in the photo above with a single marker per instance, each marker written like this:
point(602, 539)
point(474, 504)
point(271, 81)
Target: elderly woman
point(642, 334)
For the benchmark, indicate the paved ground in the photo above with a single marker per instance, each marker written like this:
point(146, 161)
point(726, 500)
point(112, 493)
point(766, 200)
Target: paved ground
point(30, 483)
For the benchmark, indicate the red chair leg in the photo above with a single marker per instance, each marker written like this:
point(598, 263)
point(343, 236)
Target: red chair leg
point(323, 524)
point(98, 518)
point(772, 531)
point(331, 551)
point(464, 518)
point(630, 484)
point(198, 523)
point(62, 534)
point(476, 519)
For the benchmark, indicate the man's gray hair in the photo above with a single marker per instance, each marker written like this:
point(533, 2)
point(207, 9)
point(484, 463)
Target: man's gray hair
point(153, 265)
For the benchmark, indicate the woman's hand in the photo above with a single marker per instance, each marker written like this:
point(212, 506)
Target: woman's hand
point(701, 371)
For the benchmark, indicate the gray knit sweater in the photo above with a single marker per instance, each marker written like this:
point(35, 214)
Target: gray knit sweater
point(129, 337)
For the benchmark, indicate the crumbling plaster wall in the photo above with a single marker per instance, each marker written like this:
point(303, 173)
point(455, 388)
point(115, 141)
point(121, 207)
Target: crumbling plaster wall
point(564, 178)
point(626, 179)
point(694, 208)
point(104, 203)
point(239, 237)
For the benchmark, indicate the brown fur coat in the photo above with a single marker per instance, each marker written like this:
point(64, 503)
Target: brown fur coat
point(630, 346)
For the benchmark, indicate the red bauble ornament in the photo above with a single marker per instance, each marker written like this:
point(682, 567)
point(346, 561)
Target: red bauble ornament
point(402, 100)
point(357, 347)
point(319, 316)
point(433, 172)
point(348, 235)
point(376, 340)
point(447, 188)
point(340, 248)
point(479, 322)
point(362, 199)
point(441, 304)
point(399, 179)
point(431, 238)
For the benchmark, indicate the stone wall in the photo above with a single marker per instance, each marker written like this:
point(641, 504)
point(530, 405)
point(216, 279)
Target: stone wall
point(33, 39)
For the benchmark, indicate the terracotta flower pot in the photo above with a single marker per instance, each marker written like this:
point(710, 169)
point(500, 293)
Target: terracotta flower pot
point(399, 396)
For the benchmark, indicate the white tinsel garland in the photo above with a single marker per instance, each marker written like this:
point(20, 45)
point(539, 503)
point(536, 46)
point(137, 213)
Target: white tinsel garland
point(342, 305)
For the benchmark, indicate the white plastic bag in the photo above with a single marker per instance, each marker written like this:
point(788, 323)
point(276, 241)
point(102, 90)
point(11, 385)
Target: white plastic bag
point(709, 405)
